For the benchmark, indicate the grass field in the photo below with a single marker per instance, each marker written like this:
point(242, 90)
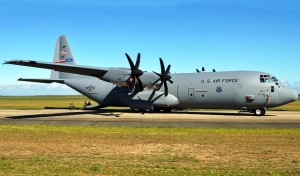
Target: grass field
point(63, 101)
point(67, 150)
point(40, 102)
point(294, 106)
point(50, 150)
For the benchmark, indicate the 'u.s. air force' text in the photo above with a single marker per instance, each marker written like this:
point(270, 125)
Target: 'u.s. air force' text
point(235, 80)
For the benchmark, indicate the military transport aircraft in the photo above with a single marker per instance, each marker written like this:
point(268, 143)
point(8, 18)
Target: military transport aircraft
point(250, 91)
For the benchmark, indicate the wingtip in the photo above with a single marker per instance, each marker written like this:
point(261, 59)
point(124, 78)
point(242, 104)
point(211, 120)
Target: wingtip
point(17, 62)
point(10, 62)
point(5, 62)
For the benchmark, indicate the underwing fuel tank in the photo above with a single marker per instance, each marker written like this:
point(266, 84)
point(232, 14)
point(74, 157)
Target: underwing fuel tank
point(150, 99)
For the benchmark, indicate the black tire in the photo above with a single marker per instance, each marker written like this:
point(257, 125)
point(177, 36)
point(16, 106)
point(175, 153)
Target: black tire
point(141, 110)
point(164, 110)
point(135, 110)
point(259, 112)
point(263, 111)
point(157, 110)
point(167, 110)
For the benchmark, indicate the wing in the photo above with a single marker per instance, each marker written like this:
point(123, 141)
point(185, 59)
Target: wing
point(76, 69)
point(42, 80)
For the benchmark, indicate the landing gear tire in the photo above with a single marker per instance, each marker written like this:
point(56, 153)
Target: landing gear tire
point(141, 110)
point(135, 110)
point(165, 110)
point(157, 110)
point(259, 112)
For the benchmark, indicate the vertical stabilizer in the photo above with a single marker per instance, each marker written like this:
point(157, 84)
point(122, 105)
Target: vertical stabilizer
point(62, 54)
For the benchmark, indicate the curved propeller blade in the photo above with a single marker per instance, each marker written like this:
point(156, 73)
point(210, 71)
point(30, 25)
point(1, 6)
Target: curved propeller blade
point(168, 69)
point(130, 61)
point(164, 76)
point(137, 63)
point(162, 66)
point(166, 88)
point(135, 71)
point(140, 84)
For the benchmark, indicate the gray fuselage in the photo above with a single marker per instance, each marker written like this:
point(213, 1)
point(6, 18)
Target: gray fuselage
point(228, 90)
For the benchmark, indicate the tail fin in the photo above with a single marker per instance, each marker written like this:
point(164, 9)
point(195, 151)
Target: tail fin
point(62, 54)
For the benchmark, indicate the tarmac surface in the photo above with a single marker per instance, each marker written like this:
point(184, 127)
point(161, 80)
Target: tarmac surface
point(188, 119)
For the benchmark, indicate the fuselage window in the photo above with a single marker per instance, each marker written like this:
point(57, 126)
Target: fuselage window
point(272, 88)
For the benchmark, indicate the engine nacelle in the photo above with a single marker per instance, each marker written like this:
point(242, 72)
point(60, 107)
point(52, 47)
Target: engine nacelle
point(120, 77)
point(117, 75)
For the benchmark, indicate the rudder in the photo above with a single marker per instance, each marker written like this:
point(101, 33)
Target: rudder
point(62, 54)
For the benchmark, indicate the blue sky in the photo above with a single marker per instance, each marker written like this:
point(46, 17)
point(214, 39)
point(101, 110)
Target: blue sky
point(260, 35)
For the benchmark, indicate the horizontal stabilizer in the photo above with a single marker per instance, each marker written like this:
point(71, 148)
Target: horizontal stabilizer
point(43, 80)
point(76, 69)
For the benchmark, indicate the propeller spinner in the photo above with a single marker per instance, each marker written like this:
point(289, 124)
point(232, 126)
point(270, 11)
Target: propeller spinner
point(135, 72)
point(164, 76)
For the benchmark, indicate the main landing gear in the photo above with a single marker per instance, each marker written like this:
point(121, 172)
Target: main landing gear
point(165, 110)
point(157, 110)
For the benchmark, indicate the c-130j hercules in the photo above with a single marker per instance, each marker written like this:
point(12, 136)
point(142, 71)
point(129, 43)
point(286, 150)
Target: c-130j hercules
point(250, 91)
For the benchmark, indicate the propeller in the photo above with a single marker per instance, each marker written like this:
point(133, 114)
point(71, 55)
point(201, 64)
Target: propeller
point(197, 70)
point(135, 71)
point(164, 76)
point(214, 70)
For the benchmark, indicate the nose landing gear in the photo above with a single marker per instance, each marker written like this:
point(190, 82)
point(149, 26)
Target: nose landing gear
point(259, 112)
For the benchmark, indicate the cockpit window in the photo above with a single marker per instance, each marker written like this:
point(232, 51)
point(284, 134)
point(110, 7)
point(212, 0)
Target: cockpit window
point(275, 79)
point(268, 79)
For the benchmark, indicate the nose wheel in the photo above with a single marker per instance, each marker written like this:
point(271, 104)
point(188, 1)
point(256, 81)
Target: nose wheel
point(259, 112)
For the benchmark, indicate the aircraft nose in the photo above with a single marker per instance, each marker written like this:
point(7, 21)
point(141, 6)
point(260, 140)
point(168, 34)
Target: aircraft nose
point(287, 95)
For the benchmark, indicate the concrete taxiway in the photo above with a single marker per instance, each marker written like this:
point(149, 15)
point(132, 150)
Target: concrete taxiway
point(193, 118)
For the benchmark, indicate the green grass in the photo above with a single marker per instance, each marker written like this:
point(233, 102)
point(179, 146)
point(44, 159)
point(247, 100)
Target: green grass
point(40, 102)
point(294, 106)
point(67, 150)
